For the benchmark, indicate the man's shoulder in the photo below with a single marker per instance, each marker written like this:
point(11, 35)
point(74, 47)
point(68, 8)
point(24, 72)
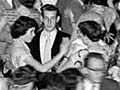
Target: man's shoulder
point(64, 34)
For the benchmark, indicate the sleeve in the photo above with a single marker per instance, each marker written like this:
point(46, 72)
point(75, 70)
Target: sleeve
point(19, 56)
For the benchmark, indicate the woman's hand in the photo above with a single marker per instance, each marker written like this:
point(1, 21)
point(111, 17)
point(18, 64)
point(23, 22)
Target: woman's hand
point(109, 36)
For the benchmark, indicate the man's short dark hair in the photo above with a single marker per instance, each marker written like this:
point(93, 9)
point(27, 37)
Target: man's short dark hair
point(21, 25)
point(49, 7)
point(27, 3)
point(92, 55)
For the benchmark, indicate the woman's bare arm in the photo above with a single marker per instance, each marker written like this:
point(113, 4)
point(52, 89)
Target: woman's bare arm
point(45, 67)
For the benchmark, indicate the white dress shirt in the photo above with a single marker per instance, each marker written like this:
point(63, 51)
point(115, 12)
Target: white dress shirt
point(43, 39)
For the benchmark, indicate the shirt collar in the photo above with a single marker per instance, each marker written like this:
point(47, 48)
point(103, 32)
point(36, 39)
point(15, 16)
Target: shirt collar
point(50, 34)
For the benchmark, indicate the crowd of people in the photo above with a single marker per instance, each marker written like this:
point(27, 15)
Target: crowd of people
point(60, 45)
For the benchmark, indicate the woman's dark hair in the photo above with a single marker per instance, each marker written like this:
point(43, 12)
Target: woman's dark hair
point(24, 75)
point(71, 76)
point(21, 25)
point(91, 29)
point(27, 3)
point(52, 80)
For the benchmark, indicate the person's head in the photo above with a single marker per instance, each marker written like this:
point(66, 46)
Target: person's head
point(27, 3)
point(52, 81)
point(72, 77)
point(91, 29)
point(95, 65)
point(24, 28)
point(50, 17)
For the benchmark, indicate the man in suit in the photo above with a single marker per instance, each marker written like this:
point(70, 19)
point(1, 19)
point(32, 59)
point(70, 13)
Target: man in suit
point(95, 68)
point(50, 33)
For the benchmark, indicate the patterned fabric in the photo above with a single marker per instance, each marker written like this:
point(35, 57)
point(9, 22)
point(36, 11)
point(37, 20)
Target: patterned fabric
point(100, 14)
point(20, 51)
point(12, 15)
point(5, 42)
point(90, 15)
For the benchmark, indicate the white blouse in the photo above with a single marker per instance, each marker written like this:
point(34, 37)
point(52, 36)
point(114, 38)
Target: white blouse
point(20, 52)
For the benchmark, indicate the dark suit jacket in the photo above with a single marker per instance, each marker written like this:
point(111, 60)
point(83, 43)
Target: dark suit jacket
point(109, 84)
point(35, 44)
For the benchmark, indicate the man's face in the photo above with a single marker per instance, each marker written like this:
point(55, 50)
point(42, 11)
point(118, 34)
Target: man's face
point(96, 69)
point(50, 20)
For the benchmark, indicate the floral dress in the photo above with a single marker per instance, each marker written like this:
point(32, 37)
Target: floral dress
point(20, 51)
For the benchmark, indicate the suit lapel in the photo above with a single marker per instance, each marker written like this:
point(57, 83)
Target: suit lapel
point(56, 44)
point(37, 46)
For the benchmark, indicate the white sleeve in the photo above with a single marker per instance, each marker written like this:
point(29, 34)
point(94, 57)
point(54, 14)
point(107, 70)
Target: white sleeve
point(19, 56)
